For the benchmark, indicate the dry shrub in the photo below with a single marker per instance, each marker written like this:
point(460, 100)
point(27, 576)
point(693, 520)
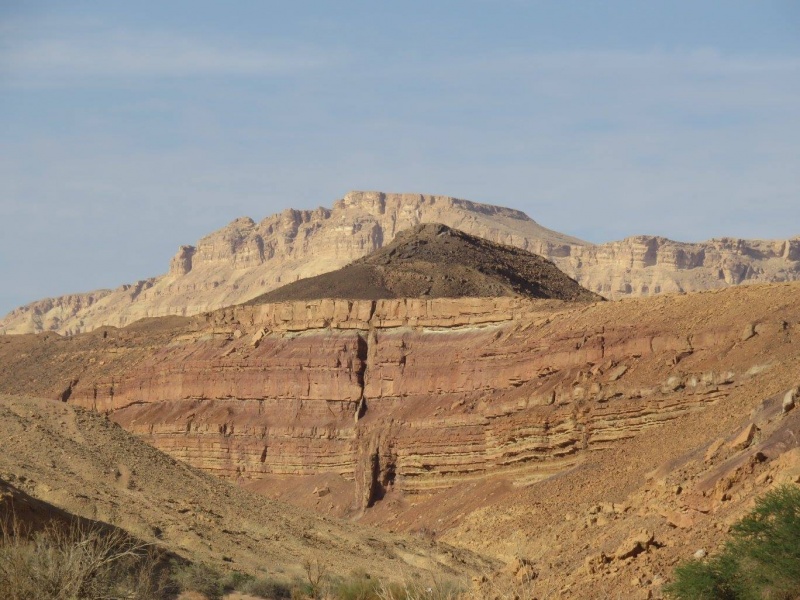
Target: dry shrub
point(78, 562)
point(436, 589)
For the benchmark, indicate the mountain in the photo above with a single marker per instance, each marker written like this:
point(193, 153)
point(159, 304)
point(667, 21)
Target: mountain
point(589, 445)
point(434, 261)
point(246, 259)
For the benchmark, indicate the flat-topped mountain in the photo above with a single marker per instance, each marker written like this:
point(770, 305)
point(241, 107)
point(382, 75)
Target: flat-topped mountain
point(434, 261)
point(246, 259)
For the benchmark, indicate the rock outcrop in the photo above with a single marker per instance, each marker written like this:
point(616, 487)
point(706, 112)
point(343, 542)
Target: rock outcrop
point(407, 395)
point(595, 444)
point(433, 260)
point(72, 465)
point(647, 265)
point(246, 259)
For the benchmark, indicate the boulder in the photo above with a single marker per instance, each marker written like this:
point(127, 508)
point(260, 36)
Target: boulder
point(635, 544)
point(745, 437)
point(789, 400)
point(617, 373)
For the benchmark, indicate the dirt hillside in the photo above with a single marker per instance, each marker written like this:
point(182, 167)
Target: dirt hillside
point(434, 261)
point(60, 460)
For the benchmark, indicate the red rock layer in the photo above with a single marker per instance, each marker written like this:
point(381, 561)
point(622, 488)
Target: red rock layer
point(416, 396)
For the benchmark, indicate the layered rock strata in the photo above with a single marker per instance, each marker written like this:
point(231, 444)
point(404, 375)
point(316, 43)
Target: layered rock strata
point(411, 396)
point(246, 259)
point(649, 265)
point(62, 464)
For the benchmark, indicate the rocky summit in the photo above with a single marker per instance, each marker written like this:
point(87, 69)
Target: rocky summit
point(246, 259)
point(434, 261)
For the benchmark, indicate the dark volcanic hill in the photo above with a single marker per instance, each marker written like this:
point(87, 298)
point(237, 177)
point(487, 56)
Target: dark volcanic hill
point(434, 261)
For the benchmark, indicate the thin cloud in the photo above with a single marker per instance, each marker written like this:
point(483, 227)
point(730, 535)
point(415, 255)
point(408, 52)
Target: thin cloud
point(123, 54)
point(700, 60)
point(648, 88)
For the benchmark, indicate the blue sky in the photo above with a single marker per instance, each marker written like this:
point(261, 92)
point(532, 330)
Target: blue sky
point(128, 129)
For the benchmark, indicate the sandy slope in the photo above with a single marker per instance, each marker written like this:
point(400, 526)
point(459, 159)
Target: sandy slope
point(82, 463)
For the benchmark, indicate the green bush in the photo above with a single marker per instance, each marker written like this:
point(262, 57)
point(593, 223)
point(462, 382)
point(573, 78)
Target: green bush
point(236, 580)
point(760, 561)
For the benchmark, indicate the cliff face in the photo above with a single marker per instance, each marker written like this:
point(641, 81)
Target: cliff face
point(409, 395)
point(246, 259)
point(559, 432)
point(646, 265)
point(68, 463)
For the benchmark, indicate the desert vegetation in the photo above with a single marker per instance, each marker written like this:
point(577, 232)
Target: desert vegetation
point(760, 560)
point(315, 584)
point(81, 561)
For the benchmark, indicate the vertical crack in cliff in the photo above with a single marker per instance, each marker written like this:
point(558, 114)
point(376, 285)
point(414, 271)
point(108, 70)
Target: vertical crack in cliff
point(362, 355)
point(64, 396)
point(364, 466)
point(373, 491)
point(362, 351)
point(375, 460)
point(376, 467)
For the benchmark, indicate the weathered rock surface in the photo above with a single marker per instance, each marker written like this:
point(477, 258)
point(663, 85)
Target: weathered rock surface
point(246, 259)
point(411, 395)
point(647, 265)
point(504, 425)
point(59, 462)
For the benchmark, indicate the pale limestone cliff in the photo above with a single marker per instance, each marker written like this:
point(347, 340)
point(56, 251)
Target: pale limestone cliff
point(646, 265)
point(245, 259)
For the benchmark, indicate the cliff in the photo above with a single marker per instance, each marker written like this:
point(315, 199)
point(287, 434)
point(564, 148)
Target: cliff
point(246, 259)
point(435, 261)
point(647, 265)
point(415, 395)
point(68, 463)
point(504, 425)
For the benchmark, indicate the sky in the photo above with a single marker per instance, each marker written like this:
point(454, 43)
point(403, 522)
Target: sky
point(130, 128)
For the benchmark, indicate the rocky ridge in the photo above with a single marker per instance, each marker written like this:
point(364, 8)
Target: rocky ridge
point(434, 261)
point(649, 265)
point(246, 259)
